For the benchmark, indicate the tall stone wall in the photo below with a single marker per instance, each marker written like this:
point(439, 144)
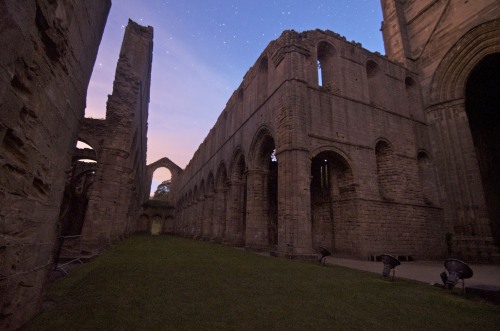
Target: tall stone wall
point(120, 143)
point(47, 52)
point(431, 28)
point(446, 42)
point(303, 157)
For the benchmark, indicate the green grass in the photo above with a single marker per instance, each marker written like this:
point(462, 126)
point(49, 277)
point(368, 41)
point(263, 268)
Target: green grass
point(168, 283)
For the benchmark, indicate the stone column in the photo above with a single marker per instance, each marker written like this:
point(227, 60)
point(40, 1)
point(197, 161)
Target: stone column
point(219, 219)
point(256, 220)
point(208, 213)
point(455, 156)
point(234, 226)
point(200, 217)
point(294, 204)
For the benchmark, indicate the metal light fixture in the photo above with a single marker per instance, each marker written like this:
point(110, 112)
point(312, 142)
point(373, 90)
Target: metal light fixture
point(457, 271)
point(323, 254)
point(390, 263)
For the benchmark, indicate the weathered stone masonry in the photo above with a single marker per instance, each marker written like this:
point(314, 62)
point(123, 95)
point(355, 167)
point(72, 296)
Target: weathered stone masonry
point(120, 142)
point(454, 46)
point(323, 144)
point(346, 174)
point(47, 52)
point(365, 155)
point(102, 200)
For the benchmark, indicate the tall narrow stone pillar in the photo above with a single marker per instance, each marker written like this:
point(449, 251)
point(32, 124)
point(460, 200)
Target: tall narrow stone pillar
point(294, 204)
point(256, 221)
point(47, 52)
point(200, 217)
point(234, 226)
point(219, 220)
point(208, 213)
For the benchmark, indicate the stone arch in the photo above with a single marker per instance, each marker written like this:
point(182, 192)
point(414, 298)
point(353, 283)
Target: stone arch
point(325, 56)
point(237, 199)
point(200, 210)
point(87, 138)
point(333, 208)
point(208, 211)
point(261, 144)
point(426, 177)
point(414, 99)
point(262, 191)
point(76, 198)
point(220, 203)
point(241, 94)
point(202, 187)
point(78, 188)
point(450, 78)
point(210, 182)
point(262, 79)
point(387, 170)
point(85, 153)
point(164, 162)
point(195, 194)
point(375, 78)
point(466, 142)
point(343, 155)
point(482, 106)
point(156, 224)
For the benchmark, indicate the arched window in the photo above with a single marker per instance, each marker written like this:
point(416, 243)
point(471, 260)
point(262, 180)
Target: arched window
point(415, 108)
point(376, 84)
point(426, 178)
point(262, 79)
point(161, 183)
point(325, 57)
point(387, 170)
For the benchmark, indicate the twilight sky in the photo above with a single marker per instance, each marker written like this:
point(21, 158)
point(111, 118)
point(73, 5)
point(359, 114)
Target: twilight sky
point(202, 50)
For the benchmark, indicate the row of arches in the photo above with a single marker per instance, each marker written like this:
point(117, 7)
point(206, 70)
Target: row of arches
point(217, 208)
point(239, 203)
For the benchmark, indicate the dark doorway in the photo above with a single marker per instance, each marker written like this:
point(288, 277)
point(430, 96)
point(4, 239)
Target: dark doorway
point(482, 99)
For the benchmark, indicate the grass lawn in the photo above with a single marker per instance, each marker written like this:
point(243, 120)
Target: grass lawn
point(169, 283)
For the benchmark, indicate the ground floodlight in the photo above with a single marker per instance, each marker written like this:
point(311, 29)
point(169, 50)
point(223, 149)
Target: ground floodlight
point(323, 254)
point(390, 263)
point(457, 270)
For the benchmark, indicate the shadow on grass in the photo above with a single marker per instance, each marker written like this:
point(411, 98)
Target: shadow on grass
point(169, 283)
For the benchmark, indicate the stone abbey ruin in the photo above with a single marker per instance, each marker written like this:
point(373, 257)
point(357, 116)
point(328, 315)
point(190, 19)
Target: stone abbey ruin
point(324, 143)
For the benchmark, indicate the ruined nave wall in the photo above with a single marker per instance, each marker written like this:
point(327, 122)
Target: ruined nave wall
point(120, 142)
point(47, 52)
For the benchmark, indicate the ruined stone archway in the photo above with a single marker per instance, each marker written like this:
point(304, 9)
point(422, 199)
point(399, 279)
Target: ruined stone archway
point(326, 55)
point(220, 204)
point(332, 202)
point(237, 200)
point(388, 173)
point(76, 194)
point(452, 118)
point(262, 192)
point(165, 162)
point(156, 225)
point(482, 104)
point(208, 211)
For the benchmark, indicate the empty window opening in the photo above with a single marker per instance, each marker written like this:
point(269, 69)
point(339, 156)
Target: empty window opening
point(325, 62)
point(161, 184)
